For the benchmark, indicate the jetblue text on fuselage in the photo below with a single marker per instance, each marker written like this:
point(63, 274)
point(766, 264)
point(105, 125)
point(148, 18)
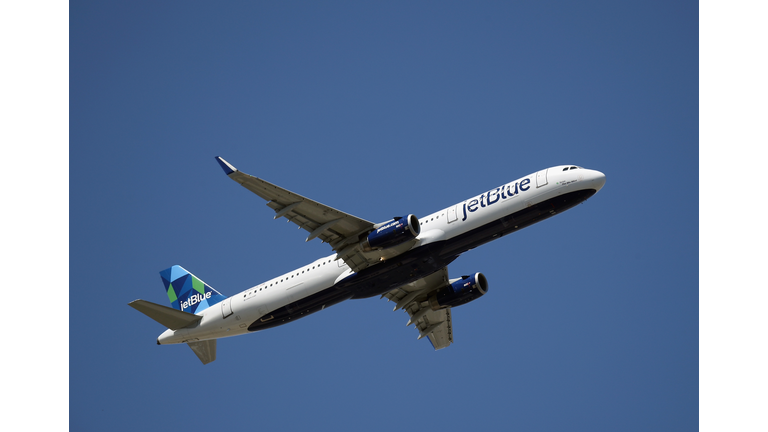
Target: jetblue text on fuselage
point(489, 198)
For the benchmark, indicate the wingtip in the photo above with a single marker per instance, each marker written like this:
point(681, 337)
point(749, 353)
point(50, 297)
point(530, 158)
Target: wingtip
point(226, 166)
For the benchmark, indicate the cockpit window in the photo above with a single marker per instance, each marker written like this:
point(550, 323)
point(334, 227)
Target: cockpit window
point(565, 169)
point(574, 168)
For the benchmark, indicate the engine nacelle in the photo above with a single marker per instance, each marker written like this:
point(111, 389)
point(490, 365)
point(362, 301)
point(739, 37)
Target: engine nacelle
point(398, 230)
point(460, 292)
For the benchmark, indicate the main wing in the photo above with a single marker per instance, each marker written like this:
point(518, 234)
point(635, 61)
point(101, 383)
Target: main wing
point(341, 230)
point(414, 299)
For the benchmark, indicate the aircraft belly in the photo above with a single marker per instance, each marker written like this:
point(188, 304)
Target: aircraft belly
point(415, 264)
point(299, 308)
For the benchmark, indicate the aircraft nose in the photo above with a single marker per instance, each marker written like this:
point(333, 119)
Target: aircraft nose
point(598, 180)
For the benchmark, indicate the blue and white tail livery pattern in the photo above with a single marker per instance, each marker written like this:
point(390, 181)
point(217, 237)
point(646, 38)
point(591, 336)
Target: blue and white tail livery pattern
point(188, 293)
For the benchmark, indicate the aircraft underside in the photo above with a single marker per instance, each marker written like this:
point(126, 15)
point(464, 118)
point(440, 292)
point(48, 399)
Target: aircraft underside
point(417, 263)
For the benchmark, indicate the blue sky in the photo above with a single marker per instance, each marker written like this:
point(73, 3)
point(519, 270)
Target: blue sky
point(592, 318)
point(382, 110)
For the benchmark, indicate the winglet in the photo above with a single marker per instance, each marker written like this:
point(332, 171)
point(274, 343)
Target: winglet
point(226, 166)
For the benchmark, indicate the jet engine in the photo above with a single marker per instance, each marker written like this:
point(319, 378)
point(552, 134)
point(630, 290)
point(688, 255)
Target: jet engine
point(392, 233)
point(459, 292)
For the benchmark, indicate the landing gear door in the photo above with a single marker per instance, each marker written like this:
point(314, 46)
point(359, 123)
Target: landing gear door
point(541, 178)
point(226, 307)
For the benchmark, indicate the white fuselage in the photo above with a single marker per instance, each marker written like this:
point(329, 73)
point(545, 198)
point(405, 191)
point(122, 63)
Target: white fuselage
point(234, 315)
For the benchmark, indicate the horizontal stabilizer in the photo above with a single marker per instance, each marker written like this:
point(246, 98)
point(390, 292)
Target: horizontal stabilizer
point(172, 318)
point(205, 350)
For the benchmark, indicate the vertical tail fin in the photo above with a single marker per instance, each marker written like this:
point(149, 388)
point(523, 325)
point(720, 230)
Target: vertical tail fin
point(188, 293)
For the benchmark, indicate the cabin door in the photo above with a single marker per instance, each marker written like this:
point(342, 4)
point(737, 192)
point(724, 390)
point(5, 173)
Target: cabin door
point(541, 178)
point(226, 307)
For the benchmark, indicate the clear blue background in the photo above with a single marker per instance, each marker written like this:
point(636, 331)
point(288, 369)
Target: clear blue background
point(383, 109)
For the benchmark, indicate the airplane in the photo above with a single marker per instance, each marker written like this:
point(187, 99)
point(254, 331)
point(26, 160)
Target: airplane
point(403, 259)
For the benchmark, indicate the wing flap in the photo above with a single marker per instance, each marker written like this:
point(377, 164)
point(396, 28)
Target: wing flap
point(442, 333)
point(414, 299)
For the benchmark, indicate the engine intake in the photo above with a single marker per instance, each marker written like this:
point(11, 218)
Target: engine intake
point(461, 291)
point(392, 233)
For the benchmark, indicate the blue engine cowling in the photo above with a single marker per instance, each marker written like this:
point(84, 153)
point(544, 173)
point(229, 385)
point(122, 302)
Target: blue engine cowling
point(460, 292)
point(392, 233)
